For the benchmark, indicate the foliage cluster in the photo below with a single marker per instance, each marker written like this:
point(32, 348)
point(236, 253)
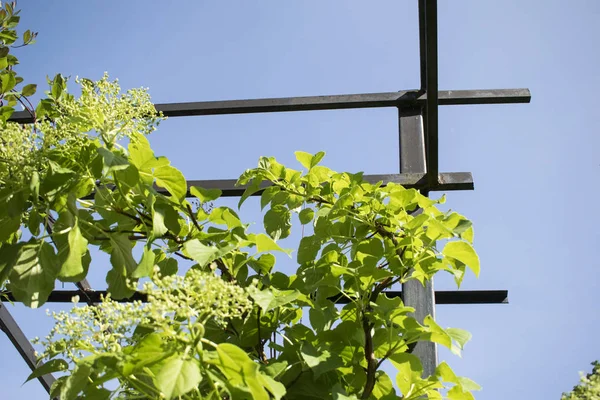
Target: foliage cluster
point(84, 178)
point(588, 387)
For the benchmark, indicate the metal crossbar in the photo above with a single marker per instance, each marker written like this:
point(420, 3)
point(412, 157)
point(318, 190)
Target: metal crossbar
point(441, 296)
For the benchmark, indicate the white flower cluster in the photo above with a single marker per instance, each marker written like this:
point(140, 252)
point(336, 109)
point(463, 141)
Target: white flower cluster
point(175, 305)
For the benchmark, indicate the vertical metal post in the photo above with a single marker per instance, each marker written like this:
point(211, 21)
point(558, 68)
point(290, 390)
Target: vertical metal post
point(23, 346)
point(412, 159)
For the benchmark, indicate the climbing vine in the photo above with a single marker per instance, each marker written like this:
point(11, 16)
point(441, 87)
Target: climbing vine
point(221, 321)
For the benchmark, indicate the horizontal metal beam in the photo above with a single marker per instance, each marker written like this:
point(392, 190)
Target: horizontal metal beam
point(405, 98)
point(441, 296)
point(447, 181)
point(23, 346)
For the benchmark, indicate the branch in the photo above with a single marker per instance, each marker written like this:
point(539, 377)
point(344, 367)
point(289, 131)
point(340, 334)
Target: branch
point(261, 345)
point(370, 358)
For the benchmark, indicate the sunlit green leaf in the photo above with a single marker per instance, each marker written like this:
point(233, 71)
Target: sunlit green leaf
point(463, 252)
point(178, 375)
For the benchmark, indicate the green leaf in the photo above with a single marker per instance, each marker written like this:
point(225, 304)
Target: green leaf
point(225, 215)
point(71, 253)
point(142, 156)
point(112, 161)
point(265, 243)
point(267, 195)
point(121, 257)
point(3, 62)
point(264, 264)
point(320, 361)
point(277, 389)
point(308, 249)
point(164, 218)
point(58, 86)
point(271, 298)
point(29, 90)
point(240, 370)
point(9, 254)
point(456, 393)
point(463, 252)
point(316, 159)
point(205, 195)
point(51, 366)
point(77, 381)
point(460, 336)
point(178, 376)
point(7, 81)
point(304, 158)
point(146, 264)
point(172, 179)
point(250, 190)
point(306, 216)
point(278, 222)
point(117, 284)
point(34, 273)
point(201, 253)
point(409, 371)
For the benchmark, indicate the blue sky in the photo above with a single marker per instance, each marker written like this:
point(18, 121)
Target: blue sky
point(536, 166)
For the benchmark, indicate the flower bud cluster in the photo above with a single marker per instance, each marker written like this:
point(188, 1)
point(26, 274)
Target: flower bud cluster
point(177, 305)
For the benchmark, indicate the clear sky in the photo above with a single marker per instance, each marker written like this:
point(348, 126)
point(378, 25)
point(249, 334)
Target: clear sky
point(536, 166)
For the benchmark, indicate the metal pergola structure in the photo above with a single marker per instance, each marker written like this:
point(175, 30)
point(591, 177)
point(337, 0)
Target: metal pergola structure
point(419, 168)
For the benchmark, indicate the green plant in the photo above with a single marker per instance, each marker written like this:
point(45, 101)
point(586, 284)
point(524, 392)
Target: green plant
point(588, 387)
point(83, 176)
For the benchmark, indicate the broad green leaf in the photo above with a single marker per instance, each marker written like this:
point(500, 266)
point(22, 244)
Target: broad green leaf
point(141, 154)
point(172, 179)
point(205, 195)
point(308, 249)
point(178, 375)
point(304, 158)
point(267, 195)
point(460, 336)
point(456, 393)
point(58, 86)
point(277, 389)
point(9, 254)
point(278, 222)
point(319, 360)
point(121, 257)
point(264, 264)
point(51, 366)
point(317, 158)
point(203, 254)
point(252, 188)
point(117, 284)
point(438, 335)
point(240, 370)
point(29, 90)
point(306, 216)
point(34, 273)
point(463, 252)
point(146, 265)
point(112, 161)
point(265, 243)
point(226, 216)
point(271, 298)
point(383, 386)
point(74, 267)
point(77, 381)
point(409, 371)
point(8, 226)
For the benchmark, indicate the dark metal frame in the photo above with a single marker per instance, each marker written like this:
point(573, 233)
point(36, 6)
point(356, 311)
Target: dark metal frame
point(419, 168)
